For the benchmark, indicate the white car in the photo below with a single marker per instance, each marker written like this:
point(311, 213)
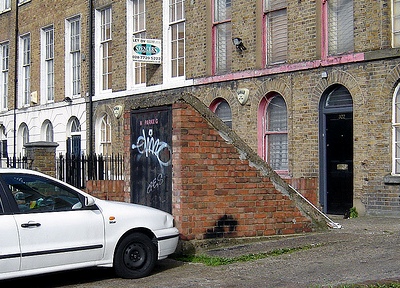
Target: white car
point(47, 225)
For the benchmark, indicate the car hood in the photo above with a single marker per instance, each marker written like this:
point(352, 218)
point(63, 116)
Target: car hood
point(134, 214)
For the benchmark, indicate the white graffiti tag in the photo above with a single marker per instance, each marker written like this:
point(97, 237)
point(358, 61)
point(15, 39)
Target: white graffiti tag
point(156, 183)
point(148, 145)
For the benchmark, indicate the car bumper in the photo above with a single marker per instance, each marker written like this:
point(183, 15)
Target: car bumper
point(167, 240)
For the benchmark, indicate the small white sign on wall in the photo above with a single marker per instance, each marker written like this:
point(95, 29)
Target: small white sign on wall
point(147, 50)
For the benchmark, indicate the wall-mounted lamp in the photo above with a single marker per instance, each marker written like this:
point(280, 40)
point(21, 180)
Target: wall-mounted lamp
point(239, 44)
point(68, 100)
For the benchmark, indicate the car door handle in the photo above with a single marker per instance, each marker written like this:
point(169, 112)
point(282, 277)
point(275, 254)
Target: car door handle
point(30, 225)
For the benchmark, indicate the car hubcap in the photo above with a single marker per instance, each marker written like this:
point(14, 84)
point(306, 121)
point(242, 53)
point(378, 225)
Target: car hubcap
point(134, 256)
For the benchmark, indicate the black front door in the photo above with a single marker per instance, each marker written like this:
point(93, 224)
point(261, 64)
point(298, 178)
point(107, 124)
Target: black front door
point(339, 162)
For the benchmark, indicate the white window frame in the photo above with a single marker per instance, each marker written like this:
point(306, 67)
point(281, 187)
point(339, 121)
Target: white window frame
point(168, 54)
point(47, 131)
point(106, 48)
point(105, 135)
point(396, 132)
point(100, 46)
point(177, 37)
point(276, 38)
point(4, 68)
point(47, 63)
point(5, 5)
point(24, 85)
point(21, 2)
point(136, 28)
point(23, 137)
point(395, 23)
point(73, 77)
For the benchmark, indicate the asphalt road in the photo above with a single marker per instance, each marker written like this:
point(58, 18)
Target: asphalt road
point(365, 250)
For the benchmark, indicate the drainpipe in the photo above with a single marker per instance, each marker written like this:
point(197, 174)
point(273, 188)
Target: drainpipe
point(91, 67)
point(15, 84)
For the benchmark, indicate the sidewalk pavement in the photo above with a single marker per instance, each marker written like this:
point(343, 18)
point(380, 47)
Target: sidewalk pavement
point(366, 225)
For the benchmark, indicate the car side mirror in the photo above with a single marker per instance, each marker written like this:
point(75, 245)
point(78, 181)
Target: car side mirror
point(89, 201)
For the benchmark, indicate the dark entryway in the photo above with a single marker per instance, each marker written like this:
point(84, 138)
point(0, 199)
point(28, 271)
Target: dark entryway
point(339, 156)
point(151, 156)
point(336, 153)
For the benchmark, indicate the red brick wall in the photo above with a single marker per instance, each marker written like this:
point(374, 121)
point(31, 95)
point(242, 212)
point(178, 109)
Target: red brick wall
point(216, 194)
point(308, 187)
point(106, 189)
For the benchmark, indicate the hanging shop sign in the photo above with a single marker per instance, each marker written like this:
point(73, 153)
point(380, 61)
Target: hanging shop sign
point(147, 50)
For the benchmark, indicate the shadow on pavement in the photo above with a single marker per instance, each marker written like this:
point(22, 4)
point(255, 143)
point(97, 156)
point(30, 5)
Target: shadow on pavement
point(76, 277)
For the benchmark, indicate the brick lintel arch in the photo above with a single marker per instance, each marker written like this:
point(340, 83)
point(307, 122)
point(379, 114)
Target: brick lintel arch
point(391, 81)
point(337, 77)
point(226, 94)
point(272, 85)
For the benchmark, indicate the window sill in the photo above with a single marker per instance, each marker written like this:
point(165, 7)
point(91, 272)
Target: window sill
point(5, 10)
point(391, 179)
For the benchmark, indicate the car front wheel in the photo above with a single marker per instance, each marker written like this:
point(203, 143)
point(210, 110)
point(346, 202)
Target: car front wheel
point(135, 256)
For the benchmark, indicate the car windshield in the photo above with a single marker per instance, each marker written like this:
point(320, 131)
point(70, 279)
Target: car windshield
point(38, 194)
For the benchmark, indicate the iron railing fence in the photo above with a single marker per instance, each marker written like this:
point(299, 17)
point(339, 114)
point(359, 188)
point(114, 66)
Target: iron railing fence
point(77, 170)
point(15, 162)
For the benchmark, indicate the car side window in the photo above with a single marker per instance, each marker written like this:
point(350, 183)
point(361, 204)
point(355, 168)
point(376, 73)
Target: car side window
point(38, 194)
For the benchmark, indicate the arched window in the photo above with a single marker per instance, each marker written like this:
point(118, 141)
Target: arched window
point(23, 136)
point(75, 125)
point(105, 135)
point(74, 136)
point(222, 109)
point(274, 132)
point(396, 132)
point(47, 131)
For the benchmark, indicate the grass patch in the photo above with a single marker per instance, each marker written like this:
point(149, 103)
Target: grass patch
point(377, 285)
point(218, 261)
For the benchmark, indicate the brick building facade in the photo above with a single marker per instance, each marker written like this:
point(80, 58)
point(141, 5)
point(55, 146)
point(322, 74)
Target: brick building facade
point(330, 69)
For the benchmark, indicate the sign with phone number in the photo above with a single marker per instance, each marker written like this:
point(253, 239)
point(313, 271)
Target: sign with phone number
point(147, 50)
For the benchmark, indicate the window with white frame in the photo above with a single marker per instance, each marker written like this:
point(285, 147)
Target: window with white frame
point(395, 23)
point(73, 57)
point(48, 63)
point(47, 131)
point(25, 63)
point(74, 136)
point(105, 135)
point(340, 26)
point(4, 55)
point(23, 136)
point(139, 31)
point(396, 132)
point(75, 126)
point(177, 29)
point(275, 17)
point(222, 34)
point(5, 5)
point(106, 48)
point(276, 134)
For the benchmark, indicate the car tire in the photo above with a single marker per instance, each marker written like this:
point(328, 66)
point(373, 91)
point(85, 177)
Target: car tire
point(135, 256)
